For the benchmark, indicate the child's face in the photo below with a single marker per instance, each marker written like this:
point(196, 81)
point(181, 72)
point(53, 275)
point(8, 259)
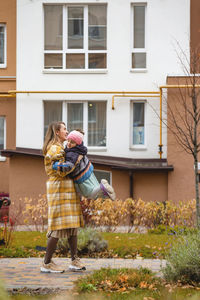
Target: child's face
point(71, 143)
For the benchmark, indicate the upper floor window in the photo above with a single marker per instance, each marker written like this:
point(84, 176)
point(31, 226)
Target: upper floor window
point(75, 37)
point(138, 128)
point(2, 133)
point(90, 116)
point(139, 37)
point(2, 45)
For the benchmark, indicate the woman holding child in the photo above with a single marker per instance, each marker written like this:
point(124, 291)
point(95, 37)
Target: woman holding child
point(64, 210)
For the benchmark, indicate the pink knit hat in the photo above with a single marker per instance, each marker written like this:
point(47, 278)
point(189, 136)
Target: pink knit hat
point(75, 136)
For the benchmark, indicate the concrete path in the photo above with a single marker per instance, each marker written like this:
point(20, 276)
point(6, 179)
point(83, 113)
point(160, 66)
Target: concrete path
point(20, 273)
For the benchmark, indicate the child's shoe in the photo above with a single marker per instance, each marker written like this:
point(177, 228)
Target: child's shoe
point(107, 189)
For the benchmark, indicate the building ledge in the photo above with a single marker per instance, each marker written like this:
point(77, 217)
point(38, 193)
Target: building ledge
point(122, 163)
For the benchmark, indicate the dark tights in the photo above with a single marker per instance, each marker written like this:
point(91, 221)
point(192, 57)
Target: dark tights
point(72, 240)
point(51, 247)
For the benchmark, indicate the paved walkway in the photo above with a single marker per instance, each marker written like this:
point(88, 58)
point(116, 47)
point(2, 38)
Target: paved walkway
point(19, 273)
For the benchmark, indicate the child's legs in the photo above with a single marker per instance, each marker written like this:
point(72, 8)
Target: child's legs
point(90, 188)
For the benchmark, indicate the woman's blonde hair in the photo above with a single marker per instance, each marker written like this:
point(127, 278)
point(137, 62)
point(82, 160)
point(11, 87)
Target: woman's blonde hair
point(51, 136)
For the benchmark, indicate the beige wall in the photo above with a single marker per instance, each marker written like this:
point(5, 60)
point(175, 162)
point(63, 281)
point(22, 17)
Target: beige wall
point(195, 23)
point(27, 179)
point(151, 186)
point(181, 185)
point(8, 16)
point(7, 109)
point(8, 105)
point(147, 186)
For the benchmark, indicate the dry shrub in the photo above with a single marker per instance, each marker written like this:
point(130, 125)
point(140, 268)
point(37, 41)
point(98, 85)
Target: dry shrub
point(35, 212)
point(138, 213)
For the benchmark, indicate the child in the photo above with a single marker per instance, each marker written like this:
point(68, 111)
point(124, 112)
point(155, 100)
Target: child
point(85, 181)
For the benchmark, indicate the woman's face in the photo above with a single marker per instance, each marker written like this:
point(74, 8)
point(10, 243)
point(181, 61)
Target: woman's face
point(62, 133)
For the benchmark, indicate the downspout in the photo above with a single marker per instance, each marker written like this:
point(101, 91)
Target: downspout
point(131, 184)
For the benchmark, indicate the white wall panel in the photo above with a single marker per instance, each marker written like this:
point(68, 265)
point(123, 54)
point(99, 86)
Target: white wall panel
point(167, 23)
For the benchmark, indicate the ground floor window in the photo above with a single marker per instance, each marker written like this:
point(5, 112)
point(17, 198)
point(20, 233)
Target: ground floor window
point(2, 133)
point(101, 174)
point(90, 116)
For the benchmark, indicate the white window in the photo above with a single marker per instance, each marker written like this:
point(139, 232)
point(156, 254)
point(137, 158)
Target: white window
point(90, 116)
point(2, 45)
point(75, 37)
point(101, 174)
point(2, 133)
point(139, 37)
point(138, 124)
point(52, 112)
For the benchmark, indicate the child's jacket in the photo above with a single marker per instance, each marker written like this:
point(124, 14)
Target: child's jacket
point(82, 170)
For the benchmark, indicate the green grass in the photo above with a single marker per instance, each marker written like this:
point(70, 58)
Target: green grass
point(125, 245)
point(23, 244)
point(29, 239)
point(132, 244)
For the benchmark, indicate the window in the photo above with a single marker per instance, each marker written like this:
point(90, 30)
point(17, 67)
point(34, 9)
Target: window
point(89, 116)
point(2, 133)
point(139, 37)
point(75, 37)
point(101, 174)
point(52, 112)
point(2, 45)
point(138, 133)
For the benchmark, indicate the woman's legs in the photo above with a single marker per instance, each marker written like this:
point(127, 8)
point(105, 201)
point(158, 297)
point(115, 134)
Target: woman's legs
point(49, 266)
point(51, 247)
point(76, 264)
point(72, 240)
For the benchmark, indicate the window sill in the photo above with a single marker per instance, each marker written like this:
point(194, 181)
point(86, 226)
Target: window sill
point(2, 158)
point(4, 66)
point(97, 71)
point(138, 148)
point(97, 149)
point(138, 70)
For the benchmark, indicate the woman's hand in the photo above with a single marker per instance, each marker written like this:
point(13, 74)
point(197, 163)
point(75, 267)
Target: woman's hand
point(79, 159)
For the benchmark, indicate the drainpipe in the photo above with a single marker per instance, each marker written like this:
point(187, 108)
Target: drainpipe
point(131, 183)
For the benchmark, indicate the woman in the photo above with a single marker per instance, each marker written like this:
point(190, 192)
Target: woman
point(64, 210)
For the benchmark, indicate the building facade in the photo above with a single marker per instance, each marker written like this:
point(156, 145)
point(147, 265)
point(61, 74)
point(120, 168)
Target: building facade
point(98, 65)
point(7, 82)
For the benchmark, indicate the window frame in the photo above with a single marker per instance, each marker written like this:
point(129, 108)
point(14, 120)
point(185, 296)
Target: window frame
point(85, 119)
point(138, 146)
point(138, 50)
point(4, 65)
point(2, 158)
point(65, 49)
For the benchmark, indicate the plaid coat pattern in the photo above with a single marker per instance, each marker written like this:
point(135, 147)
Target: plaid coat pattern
point(64, 210)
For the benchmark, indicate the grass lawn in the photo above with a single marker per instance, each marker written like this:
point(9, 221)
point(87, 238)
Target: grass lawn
point(129, 245)
point(125, 245)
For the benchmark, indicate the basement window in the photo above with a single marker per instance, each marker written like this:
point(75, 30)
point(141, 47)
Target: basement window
point(101, 174)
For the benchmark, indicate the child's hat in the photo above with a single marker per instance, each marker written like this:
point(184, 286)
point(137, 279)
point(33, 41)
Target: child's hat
point(75, 136)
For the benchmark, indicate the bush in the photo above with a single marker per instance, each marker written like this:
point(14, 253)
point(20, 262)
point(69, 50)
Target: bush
point(89, 241)
point(183, 262)
point(138, 213)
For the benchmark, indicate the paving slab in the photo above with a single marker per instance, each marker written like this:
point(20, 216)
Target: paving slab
point(20, 273)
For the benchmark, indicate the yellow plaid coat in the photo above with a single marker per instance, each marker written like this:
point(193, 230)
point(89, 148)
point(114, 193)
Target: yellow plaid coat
point(64, 210)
